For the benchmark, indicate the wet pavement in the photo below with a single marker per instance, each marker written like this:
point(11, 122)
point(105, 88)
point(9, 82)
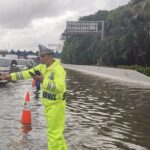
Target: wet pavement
point(13, 135)
point(117, 74)
point(101, 115)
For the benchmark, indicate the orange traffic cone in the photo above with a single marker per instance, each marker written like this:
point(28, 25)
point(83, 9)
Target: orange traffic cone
point(26, 114)
point(33, 83)
point(27, 98)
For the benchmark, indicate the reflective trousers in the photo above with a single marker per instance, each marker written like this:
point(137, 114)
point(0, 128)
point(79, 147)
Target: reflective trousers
point(55, 118)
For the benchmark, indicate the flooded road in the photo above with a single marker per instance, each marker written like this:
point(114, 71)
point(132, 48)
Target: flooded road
point(12, 135)
point(101, 115)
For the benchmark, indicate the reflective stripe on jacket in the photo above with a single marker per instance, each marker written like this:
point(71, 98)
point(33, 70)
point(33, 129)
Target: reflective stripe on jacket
point(54, 78)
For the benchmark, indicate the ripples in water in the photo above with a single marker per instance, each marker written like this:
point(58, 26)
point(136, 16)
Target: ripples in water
point(101, 115)
point(104, 115)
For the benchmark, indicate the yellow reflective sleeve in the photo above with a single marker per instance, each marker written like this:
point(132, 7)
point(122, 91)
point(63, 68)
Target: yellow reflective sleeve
point(24, 74)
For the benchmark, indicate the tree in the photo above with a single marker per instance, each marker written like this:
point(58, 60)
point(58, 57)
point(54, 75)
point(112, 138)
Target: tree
point(126, 42)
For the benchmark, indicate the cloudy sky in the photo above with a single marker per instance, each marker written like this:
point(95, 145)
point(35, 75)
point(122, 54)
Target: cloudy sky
point(26, 23)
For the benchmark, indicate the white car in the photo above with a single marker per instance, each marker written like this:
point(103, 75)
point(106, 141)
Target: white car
point(7, 65)
point(24, 64)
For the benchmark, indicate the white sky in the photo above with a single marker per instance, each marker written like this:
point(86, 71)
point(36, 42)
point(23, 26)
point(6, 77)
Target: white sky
point(26, 23)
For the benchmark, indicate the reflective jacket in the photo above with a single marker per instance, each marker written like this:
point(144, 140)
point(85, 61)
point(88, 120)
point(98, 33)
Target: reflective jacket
point(53, 86)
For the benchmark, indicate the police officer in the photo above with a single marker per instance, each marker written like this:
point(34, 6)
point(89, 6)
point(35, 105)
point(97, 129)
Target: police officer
point(52, 79)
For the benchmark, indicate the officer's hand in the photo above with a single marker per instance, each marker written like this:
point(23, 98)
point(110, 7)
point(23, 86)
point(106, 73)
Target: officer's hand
point(5, 77)
point(39, 78)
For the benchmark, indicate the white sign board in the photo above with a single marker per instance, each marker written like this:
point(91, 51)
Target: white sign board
point(84, 27)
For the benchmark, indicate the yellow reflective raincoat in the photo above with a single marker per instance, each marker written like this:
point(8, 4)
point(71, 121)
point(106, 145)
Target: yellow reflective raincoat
point(53, 99)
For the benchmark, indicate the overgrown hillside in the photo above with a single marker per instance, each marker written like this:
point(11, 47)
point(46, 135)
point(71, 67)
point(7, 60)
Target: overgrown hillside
point(126, 42)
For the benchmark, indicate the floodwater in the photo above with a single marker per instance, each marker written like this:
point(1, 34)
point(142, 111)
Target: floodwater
point(102, 114)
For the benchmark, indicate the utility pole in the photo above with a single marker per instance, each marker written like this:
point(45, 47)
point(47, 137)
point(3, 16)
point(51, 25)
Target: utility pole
point(103, 28)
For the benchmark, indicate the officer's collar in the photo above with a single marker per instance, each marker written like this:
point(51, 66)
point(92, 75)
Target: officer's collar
point(53, 64)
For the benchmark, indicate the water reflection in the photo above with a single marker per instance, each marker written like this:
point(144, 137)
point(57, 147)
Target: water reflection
point(15, 136)
point(26, 128)
point(103, 114)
